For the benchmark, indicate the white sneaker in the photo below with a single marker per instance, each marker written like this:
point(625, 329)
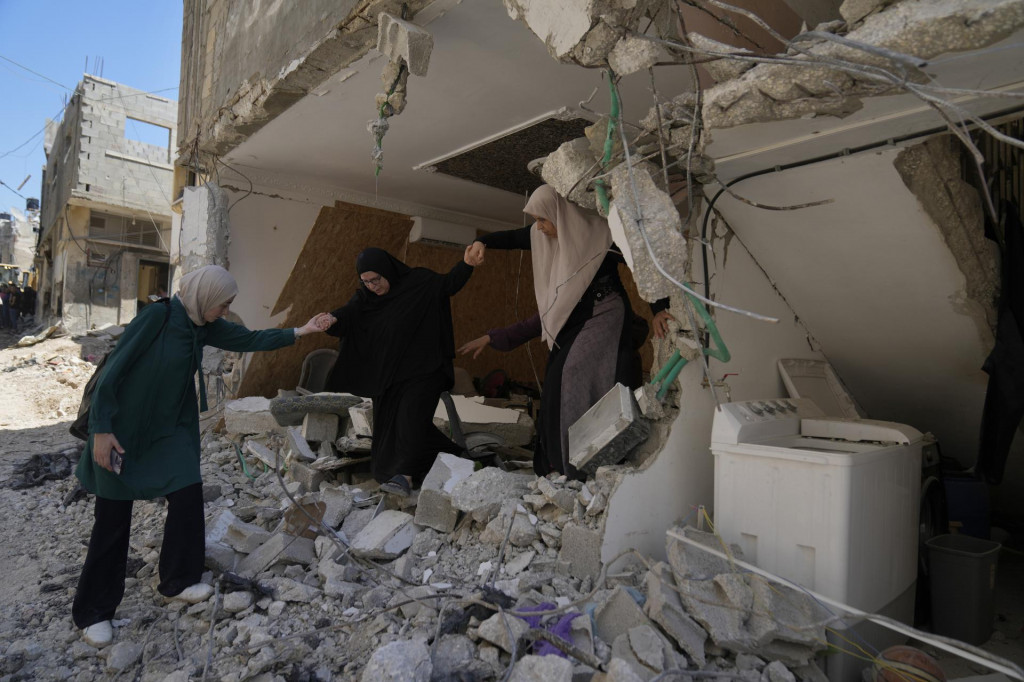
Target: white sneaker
point(99, 634)
point(193, 594)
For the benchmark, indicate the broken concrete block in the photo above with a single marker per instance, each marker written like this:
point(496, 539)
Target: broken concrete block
point(569, 168)
point(853, 11)
point(386, 536)
point(309, 477)
point(693, 563)
point(661, 224)
point(645, 650)
point(519, 564)
point(319, 427)
point(355, 521)
point(404, 660)
point(496, 630)
point(361, 419)
point(647, 400)
point(782, 613)
point(235, 602)
point(339, 503)
point(434, 510)
point(632, 54)
point(280, 547)
point(353, 447)
point(249, 415)
point(482, 493)
point(581, 548)
point(523, 532)
point(220, 557)
point(452, 656)
point(402, 40)
point(263, 453)
point(245, 537)
point(298, 446)
point(532, 668)
point(617, 615)
point(664, 607)
point(706, 602)
point(607, 431)
point(621, 671)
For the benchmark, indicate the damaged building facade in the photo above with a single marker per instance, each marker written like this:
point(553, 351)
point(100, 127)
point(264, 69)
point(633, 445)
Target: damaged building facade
point(802, 169)
point(105, 215)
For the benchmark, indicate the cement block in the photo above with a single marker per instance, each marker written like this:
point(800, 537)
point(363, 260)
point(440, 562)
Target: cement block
point(434, 510)
point(482, 493)
point(618, 615)
point(690, 562)
point(338, 503)
point(661, 223)
point(446, 471)
point(249, 415)
point(524, 531)
point(221, 558)
point(263, 453)
point(298, 446)
point(532, 668)
point(386, 536)
point(581, 549)
point(245, 537)
point(664, 607)
point(647, 400)
point(402, 660)
point(568, 168)
point(309, 477)
point(399, 39)
point(607, 431)
point(280, 547)
point(319, 427)
point(632, 54)
point(361, 419)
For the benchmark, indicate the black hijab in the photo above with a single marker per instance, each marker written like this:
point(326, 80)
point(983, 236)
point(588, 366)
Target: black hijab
point(388, 339)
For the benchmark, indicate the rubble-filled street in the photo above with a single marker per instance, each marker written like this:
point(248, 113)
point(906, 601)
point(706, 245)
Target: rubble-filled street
point(483, 574)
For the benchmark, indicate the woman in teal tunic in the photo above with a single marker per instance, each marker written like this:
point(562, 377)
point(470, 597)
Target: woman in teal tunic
point(145, 413)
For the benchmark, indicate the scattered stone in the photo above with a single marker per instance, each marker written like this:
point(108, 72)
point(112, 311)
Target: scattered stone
point(581, 549)
point(482, 493)
point(235, 602)
point(399, 661)
point(298, 446)
point(338, 503)
point(617, 615)
point(498, 627)
point(361, 419)
point(122, 655)
point(568, 170)
point(249, 415)
point(664, 607)
point(541, 669)
point(279, 548)
point(386, 536)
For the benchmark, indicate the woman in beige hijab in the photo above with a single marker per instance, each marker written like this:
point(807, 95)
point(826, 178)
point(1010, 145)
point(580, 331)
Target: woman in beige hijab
point(144, 440)
point(583, 316)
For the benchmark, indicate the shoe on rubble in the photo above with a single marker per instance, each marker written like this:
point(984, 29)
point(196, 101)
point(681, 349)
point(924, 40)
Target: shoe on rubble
point(99, 634)
point(193, 594)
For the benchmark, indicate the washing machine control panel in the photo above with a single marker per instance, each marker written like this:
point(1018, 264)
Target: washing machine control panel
point(754, 419)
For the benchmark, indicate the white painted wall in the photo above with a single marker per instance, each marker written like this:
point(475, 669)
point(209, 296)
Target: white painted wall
point(647, 502)
point(872, 278)
point(267, 235)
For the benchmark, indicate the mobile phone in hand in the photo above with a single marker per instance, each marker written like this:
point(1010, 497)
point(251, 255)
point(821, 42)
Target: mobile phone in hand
point(116, 461)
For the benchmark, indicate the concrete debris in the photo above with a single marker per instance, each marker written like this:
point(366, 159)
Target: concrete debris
point(249, 415)
point(319, 427)
point(664, 608)
point(607, 431)
point(502, 630)
point(361, 419)
point(853, 11)
point(581, 551)
point(279, 548)
point(386, 536)
point(514, 427)
point(290, 410)
point(402, 40)
point(399, 661)
point(618, 614)
point(662, 226)
point(542, 669)
point(434, 508)
point(482, 493)
point(569, 169)
point(720, 70)
point(632, 54)
point(648, 402)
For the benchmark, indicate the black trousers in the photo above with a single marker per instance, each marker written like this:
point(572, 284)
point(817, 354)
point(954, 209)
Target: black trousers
point(182, 554)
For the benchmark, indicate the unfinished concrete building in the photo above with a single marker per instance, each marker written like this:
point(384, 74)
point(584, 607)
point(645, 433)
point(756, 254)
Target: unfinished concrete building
point(105, 216)
point(811, 177)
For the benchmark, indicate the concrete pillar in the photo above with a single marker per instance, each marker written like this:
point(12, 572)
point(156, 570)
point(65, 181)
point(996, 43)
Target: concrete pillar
point(201, 237)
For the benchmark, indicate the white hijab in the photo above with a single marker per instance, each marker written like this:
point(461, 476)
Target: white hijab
point(206, 288)
point(563, 268)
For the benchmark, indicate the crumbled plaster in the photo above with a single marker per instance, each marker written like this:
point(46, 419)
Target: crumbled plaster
point(262, 96)
point(922, 28)
point(931, 171)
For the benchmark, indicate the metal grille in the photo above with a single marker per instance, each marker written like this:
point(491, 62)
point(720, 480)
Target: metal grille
point(1004, 170)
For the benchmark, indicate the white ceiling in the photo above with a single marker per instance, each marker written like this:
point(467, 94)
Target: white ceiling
point(488, 74)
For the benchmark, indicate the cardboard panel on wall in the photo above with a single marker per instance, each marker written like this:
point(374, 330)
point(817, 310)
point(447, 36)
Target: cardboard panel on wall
point(323, 279)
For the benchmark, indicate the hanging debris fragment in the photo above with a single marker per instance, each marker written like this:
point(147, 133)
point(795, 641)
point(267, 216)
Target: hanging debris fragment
point(407, 48)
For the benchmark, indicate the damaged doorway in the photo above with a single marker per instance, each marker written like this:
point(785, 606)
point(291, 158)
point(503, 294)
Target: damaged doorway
point(152, 283)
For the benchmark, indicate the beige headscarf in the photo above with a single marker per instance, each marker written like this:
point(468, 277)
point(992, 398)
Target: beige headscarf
point(563, 268)
point(206, 288)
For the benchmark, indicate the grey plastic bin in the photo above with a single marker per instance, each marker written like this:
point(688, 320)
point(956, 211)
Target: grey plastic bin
point(962, 577)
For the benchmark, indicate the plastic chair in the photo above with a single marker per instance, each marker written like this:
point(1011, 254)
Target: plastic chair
point(316, 368)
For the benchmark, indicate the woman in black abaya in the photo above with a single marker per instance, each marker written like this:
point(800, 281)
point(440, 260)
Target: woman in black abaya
point(397, 347)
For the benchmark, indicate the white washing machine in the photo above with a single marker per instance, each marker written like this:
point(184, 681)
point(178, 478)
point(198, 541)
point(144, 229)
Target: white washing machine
point(830, 503)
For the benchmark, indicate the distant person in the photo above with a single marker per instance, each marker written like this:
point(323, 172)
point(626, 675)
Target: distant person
point(28, 302)
point(5, 297)
point(13, 308)
point(144, 441)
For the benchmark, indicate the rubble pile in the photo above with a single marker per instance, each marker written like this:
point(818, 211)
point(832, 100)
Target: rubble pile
point(481, 573)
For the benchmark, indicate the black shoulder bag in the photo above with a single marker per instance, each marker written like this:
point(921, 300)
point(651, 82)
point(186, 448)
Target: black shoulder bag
point(80, 427)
